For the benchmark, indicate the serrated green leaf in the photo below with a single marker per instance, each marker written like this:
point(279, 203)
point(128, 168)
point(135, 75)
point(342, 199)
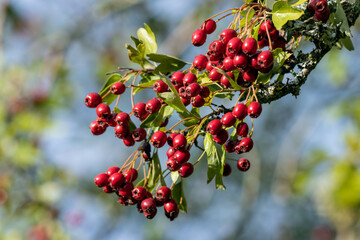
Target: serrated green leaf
point(110, 97)
point(155, 173)
point(283, 12)
point(148, 38)
point(167, 63)
point(177, 194)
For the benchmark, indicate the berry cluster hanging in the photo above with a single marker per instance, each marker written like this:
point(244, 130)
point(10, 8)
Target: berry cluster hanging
point(246, 57)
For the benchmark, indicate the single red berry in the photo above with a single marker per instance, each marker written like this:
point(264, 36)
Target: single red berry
point(227, 34)
point(242, 129)
point(148, 205)
point(153, 106)
point(254, 109)
point(266, 25)
point(198, 37)
point(245, 145)
point(139, 110)
point(322, 16)
point(189, 78)
point(92, 100)
point(128, 141)
point(229, 64)
point(172, 164)
point(210, 65)
point(185, 101)
point(229, 146)
point(217, 48)
point(193, 90)
point(160, 86)
point(170, 139)
point(179, 142)
point(117, 88)
point(139, 134)
point(228, 120)
point(112, 170)
point(122, 118)
point(197, 101)
point(250, 75)
point(163, 194)
point(158, 139)
point(177, 78)
point(182, 92)
point(98, 127)
point(214, 75)
point(204, 91)
point(170, 152)
point(171, 209)
point(103, 110)
point(200, 62)
point(249, 46)
point(254, 62)
point(233, 47)
point(181, 156)
point(265, 59)
point(186, 170)
point(121, 131)
point(214, 126)
point(130, 174)
point(101, 180)
point(224, 81)
point(243, 164)
point(117, 180)
point(221, 137)
point(227, 170)
point(209, 26)
point(321, 6)
point(240, 111)
point(139, 193)
point(241, 61)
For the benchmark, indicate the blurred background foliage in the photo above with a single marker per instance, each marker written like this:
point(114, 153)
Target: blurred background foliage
point(305, 177)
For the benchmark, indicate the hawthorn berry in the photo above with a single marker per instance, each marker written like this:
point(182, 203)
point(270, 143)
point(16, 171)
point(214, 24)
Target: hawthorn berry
point(101, 180)
point(186, 170)
point(170, 152)
point(215, 75)
point(249, 46)
point(217, 49)
point(204, 91)
point(170, 139)
point(158, 139)
point(250, 75)
point(193, 90)
point(108, 189)
point(243, 164)
point(121, 131)
point(117, 180)
point(103, 110)
point(117, 88)
point(128, 140)
point(198, 37)
point(139, 110)
point(185, 101)
point(226, 170)
point(197, 101)
point(139, 134)
point(189, 78)
point(228, 120)
point(148, 205)
point(177, 78)
point(265, 59)
point(227, 34)
point(126, 190)
point(139, 193)
point(163, 194)
point(229, 146)
point(171, 209)
point(98, 127)
point(254, 109)
point(214, 126)
point(122, 118)
point(172, 164)
point(153, 106)
point(160, 86)
point(241, 61)
point(130, 174)
point(228, 64)
point(209, 26)
point(221, 137)
point(240, 111)
point(111, 170)
point(200, 62)
point(179, 142)
point(181, 156)
point(92, 100)
point(245, 145)
point(242, 129)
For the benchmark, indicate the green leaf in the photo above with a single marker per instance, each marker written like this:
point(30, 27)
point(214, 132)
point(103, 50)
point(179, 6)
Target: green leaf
point(155, 174)
point(347, 43)
point(255, 31)
point(216, 162)
point(167, 63)
point(340, 17)
point(177, 194)
point(269, 3)
point(233, 84)
point(283, 12)
point(297, 2)
point(218, 179)
point(110, 97)
point(134, 55)
point(250, 16)
point(148, 38)
point(174, 176)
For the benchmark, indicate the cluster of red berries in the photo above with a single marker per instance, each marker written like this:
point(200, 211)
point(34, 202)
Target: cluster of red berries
point(121, 183)
point(321, 9)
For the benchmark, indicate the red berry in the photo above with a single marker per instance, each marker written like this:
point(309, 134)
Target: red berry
point(214, 126)
point(221, 137)
point(186, 170)
point(160, 86)
point(179, 142)
point(163, 194)
point(170, 152)
point(250, 75)
point(125, 191)
point(210, 65)
point(181, 156)
point(182, 92)
point(107, 189)
point(116, 180)
point(112, 170)
point(240, 111)
point(171, 209)
point(243, 164)
point(254, 109)
point(139, 193)
point(227, 170)
point(172, 164)
point(193, 90)
point(128, 141)
point(101, 180)
point(177, 78)
point(148, 205)
point(122, 118)
point(229, 146)
point(130, 174)
point(111, 120)
point(197, 101)
point(186, 101)
point(198, 37)
point(217, 48)
point(242, 129)
point(228, 120)
point(233, 47)
point(92, 100)
point(139, 134)
point(98, 127)
point(209, 26)
point(170, 139)
point(245, 145)
point(189, 78)
point(158, 139)
point(228, 64)
point(139, 110)
point(204, 91)
point(121, 131)
point(103, 110)
point(241, 61)
point(224, 81)
point(322, 16)
point(266, 25)
point(227, 34)
point(249, 46)
point(117, 88)
point(265, 59)
point(279, 43)
point(153, 106)
point(200, 62)
point(214, 75)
